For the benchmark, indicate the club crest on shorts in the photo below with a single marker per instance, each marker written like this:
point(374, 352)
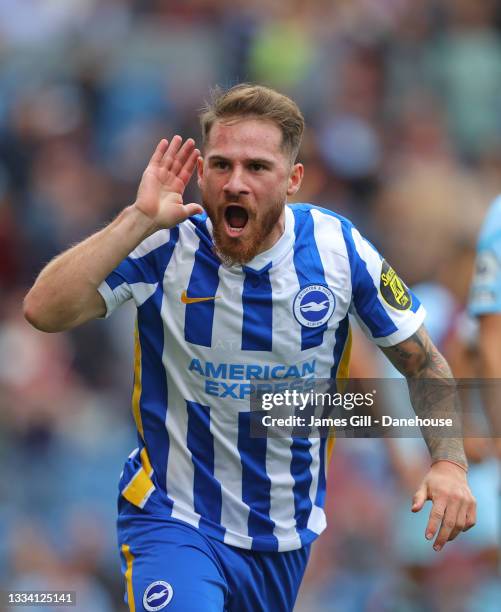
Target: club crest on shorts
point(157, 596)
point(313, 305)
point(394, 291)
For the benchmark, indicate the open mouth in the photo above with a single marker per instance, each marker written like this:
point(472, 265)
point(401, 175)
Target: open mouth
point(236, 218)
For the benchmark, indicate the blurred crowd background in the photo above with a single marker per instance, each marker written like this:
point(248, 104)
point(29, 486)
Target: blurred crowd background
point(403, 105)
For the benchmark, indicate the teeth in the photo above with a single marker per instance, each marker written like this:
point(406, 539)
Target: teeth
point(236, 229)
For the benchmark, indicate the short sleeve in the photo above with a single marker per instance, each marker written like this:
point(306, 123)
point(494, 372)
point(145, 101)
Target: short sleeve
point(138, 276)
point(386, 309)
point(485, 294)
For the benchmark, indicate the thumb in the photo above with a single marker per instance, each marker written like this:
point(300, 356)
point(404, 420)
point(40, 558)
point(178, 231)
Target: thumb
point(420, 496)
point(192, 209)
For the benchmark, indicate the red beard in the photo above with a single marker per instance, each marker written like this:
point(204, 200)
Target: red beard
point(241, 250)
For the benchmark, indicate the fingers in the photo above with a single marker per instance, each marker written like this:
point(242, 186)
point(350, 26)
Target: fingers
point(471, 515)
point(454, 507)
point(181, 155)
point(455, 515)
point(187, 170)
point(449, 523)
point(171, 151)
point(460, 523)
point(419, 498)
point(177, 153)
point(436, 517)
point(192, 209)
point(178, 159)
point(159, 152)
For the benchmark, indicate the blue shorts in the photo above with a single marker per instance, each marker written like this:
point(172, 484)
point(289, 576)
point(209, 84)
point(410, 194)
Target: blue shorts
point(171, 565)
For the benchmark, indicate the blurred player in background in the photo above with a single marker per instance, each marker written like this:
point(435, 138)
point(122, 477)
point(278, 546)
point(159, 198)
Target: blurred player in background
point(246, 291)
point(485, 304)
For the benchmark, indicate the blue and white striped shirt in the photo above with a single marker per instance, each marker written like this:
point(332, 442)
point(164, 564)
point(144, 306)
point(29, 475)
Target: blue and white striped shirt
point(208, 334)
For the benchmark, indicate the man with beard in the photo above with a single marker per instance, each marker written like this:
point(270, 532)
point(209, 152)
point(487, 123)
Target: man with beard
point(232, 299)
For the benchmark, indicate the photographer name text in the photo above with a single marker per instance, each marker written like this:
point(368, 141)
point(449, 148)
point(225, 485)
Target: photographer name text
point(354, 420)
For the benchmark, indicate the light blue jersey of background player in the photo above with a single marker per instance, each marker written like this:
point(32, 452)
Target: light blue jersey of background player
point(485, 295)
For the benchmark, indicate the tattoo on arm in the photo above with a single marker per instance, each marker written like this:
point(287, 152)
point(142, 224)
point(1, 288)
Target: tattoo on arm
point(417, 356)
point(432, 391)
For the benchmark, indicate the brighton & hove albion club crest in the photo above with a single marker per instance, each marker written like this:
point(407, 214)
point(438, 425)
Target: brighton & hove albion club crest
point(314, 305)
point(393, 289)
point(157, 596)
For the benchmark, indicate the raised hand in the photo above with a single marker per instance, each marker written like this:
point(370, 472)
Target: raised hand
point(160, 193)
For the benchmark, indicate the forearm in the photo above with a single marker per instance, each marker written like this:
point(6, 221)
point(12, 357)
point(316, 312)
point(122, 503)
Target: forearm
point(433, 395)
point(65, 292)
point(432, 391)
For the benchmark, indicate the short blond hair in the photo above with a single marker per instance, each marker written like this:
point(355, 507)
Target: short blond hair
point(247, 100)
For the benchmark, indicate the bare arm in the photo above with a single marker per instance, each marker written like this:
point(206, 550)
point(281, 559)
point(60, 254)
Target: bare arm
point(421, 363)
point(454, 507)
point(65, 293)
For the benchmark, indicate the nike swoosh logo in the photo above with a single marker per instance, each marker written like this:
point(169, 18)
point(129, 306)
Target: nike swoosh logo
point(194, 300)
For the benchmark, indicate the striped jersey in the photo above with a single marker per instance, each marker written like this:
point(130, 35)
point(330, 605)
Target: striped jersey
point(208, 335)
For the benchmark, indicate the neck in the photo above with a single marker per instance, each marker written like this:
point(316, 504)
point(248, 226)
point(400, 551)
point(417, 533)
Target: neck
point(274, 236)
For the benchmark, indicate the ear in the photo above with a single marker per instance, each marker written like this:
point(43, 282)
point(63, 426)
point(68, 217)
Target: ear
point(200, 171)
point(295, 179)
